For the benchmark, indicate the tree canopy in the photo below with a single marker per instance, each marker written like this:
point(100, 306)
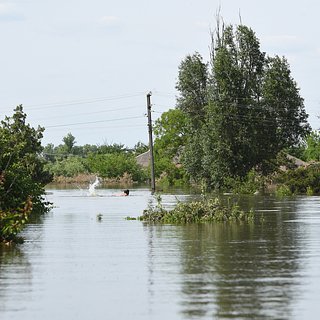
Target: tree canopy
point(22, 177)
point(241, 112)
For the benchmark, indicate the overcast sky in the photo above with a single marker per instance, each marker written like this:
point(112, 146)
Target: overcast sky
point(85, 67)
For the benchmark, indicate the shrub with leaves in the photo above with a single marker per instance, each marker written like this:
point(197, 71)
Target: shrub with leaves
point(302, 180)
point(22, 174)
point(205, 210)
point(13, 221)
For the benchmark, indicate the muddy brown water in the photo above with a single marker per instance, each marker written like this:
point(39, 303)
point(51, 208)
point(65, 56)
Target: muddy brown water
point(75, 266)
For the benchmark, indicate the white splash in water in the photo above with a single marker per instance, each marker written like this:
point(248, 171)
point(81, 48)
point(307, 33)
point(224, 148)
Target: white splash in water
point(92, 187)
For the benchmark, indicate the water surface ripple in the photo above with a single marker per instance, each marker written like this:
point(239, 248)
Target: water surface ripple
point(75, 266)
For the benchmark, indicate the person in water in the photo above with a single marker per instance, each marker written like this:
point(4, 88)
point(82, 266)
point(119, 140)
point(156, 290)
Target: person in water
point(125, 193)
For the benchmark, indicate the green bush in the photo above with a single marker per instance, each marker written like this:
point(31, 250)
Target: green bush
point(283, 191)
point(169, 174)
point(301, 180)
point(22, 174)
point(115, 165)
point(69, 167)
point(249, 184)
point(13, 221)
point(205, 210)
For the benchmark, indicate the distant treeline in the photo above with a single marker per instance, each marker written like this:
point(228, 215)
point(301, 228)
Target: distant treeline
point(106, 161)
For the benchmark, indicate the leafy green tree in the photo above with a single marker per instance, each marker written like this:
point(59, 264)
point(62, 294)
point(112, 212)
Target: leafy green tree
point(49, 152)
point(170, 135)
point(20, 162)
point(282, 99)
point(192, 84)
point(112, 148)
point(312, 149)
point(69, 142)
point(22, 174)
point(140, 148)
point(251, 109)
point(68, 167)
point(230, 144)
point(192, 87)
point(115, 165)
point(89, 148)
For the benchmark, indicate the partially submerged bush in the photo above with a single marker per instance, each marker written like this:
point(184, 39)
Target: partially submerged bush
point(283, 191)
point(250, 184)
point(13, 221)
point(301, 180)
point(205, 210)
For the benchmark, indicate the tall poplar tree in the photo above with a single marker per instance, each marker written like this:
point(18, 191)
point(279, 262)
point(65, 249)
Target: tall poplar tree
point(250, 109)
point(193, 100)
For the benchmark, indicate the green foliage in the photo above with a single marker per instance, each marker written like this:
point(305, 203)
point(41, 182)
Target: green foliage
point(250, 184)
point(282, 99)
point(13, 221)
point(169, 132)
point(312, 149)
point(112, 148)
point(301, 180)
point(241, 113)
point(53, 153)
point(283, 191)
point(310, 191)
point(192, 85)
point(69, 141)
point(21, 166)
point(115, 166)
point(205, 210)
point(22, 174)
point(140, 148)
point(170, 174)
point(68, 167)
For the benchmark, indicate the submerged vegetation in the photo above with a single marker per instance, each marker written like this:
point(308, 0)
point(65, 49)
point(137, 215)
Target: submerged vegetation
point(13, 221)
point(300, 181)
point(22, 174)
point(204, 210)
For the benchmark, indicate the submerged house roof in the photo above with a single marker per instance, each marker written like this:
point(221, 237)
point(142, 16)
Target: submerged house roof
point(296, 162)
point(143, 159)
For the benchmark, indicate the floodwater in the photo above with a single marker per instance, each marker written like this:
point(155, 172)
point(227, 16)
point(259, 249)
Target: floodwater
point(75, 266)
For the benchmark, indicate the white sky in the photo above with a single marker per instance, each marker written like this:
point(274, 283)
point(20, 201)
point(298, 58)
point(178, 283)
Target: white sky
point(104, 56)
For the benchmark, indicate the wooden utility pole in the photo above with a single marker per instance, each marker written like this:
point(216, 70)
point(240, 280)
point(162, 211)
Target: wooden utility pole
point(153, 181)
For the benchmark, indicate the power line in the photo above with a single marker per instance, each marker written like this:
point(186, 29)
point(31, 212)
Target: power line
point(106, 128)
point(93, 112)
point(82, 101)
point(90, 122)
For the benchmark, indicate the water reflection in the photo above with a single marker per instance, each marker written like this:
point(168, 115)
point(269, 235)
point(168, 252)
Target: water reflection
point(75, 267)
point(15, 278)
point(236, 270)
